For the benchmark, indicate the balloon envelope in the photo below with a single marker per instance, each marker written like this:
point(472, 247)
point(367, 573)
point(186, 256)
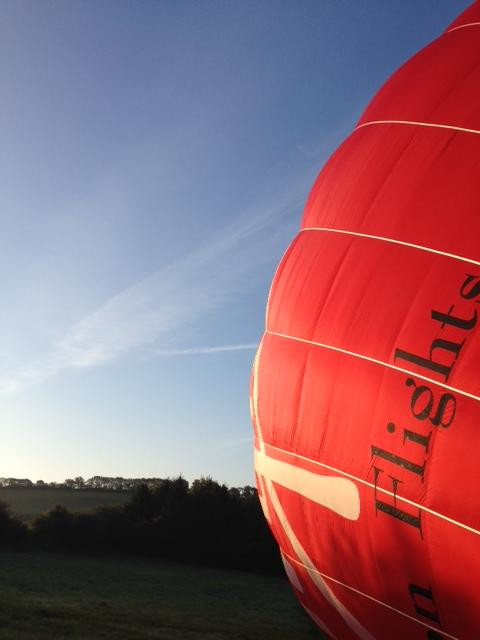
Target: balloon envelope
point(365, 392)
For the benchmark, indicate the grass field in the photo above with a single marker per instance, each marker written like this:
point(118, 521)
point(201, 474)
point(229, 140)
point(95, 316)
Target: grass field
point(29, 503)
point(47, 596)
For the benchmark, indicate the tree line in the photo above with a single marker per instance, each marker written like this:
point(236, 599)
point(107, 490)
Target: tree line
point(100, 483)
point(204, 522)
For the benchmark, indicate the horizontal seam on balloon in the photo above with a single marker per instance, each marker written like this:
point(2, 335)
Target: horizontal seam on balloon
point(372, 486)
point(393, 241)
point(461, 26)
point(418, 124)
point(375, 361)
point(365, 595)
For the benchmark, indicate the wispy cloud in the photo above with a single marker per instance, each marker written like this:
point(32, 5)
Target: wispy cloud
point(234, 443)
point(159, 306)
point(205, 350)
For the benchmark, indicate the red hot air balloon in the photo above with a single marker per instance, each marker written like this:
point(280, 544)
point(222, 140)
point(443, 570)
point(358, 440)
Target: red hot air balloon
point(365, 392)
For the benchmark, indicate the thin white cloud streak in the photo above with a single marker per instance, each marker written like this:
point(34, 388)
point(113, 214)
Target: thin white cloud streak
point(192, 351)
point(233, 444)
point(176, 295)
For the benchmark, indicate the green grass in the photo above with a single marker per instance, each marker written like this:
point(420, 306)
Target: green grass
point(28, 503)
point(45, 596)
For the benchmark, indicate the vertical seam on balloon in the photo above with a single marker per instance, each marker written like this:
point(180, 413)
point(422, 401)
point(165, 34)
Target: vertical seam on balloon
point(462, 26)
point(384, 604)
point(372, 486)
point(382, 363)
point(418, 124)
point(412, 245)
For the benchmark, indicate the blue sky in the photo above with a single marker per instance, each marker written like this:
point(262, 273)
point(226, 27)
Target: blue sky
point(155, 158)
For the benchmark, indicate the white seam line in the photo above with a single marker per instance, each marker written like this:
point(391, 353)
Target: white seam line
point(372, 486)
point(365, 595)
point(361, 356)
point(462, 26)
point(393, 241)
point(418, 124)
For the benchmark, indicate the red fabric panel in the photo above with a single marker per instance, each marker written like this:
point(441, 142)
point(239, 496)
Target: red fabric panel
point(400, 298)
point(438, 85)
point(403, 182)
point(314, 402)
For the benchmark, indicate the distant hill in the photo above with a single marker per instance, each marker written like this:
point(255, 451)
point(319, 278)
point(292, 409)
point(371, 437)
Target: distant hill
point(31, 502)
